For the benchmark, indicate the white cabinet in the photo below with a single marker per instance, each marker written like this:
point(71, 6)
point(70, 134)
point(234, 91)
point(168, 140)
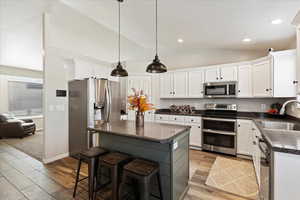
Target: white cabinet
point(173, 85)
point(261, 79)
point(194, 122)
point(256, 154)
point(284, 72)
point(245, 81)
point(195, 84)
point(212, 74)
point(221, 73)
point(196, 136)
point(180, 83)
point(244, 137)
point(228, 73)
point(196, 131)
point(166, 85)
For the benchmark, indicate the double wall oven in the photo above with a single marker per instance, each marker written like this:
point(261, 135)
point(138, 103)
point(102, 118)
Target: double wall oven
point(219, 128)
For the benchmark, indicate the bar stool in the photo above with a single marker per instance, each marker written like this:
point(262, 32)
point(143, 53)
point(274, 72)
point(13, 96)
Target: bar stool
point(114, 161)
point(91, 156)
point(142, 171)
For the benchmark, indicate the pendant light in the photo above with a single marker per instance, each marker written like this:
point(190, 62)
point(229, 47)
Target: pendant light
point(119, 71)
point(156, 66)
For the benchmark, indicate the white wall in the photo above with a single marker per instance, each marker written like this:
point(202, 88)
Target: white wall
point(205, 57)
point(74, 32)
point(21, 45)
point(55, 108)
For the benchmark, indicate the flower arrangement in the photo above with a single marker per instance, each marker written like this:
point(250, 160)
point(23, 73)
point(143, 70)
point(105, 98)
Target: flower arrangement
point(139, 101)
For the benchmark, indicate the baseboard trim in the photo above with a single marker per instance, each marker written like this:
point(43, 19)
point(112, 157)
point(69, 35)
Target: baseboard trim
point(55, 158)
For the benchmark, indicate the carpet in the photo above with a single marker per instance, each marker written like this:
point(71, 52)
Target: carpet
point(233, 176)
point(31, 145)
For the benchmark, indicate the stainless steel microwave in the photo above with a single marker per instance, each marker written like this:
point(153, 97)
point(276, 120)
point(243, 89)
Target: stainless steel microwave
point(220, 89)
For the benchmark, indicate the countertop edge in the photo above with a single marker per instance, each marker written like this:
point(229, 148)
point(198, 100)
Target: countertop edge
point(163, 141)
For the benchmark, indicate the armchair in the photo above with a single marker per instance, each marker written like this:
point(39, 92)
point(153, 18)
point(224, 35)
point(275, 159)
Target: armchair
point(11, 127)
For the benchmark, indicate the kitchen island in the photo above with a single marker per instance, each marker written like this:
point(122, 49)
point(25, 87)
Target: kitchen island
point(164, 143)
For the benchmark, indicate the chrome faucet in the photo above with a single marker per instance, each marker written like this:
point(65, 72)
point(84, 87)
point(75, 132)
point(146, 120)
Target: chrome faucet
point(282, 110)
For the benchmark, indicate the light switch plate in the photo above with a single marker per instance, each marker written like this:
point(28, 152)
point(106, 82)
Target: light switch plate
point(175, 145)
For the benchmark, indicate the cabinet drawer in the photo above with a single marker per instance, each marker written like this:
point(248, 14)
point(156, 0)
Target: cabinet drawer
point(176, 118)
point(193, 120)
point(162, 117)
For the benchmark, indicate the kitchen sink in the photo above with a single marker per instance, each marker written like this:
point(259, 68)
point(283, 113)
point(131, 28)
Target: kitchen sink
point(287, 126)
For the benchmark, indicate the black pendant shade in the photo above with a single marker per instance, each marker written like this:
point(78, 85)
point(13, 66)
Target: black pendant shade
point(156, 66)
point(119, 71)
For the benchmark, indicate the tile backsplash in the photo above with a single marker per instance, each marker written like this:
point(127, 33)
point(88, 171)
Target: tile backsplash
point(247, 105)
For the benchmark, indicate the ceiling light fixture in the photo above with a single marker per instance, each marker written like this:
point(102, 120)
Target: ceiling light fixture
point(180, 40)
point(276, 21)
point(247, 40)
point(119, 71)
point(156, 66)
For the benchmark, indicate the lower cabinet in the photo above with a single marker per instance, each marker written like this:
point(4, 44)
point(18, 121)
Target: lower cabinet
point(256, 154)
point(244, 137)
point(194, 122)
point(196, 136)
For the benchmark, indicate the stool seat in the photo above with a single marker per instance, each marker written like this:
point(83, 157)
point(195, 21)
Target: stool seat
point(114, 158)
point(142, 167)
point(93, 152)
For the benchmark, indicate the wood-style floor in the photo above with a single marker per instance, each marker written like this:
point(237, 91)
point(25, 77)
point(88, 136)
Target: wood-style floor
point(24, 178)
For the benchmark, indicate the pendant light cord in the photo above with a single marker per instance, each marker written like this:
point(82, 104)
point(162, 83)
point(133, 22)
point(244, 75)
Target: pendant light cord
point(156, 22)
point(119, 31)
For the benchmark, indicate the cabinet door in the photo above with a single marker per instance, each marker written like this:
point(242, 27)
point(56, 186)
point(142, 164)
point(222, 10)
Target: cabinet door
point(166, 85)
point(228, 73)
point(245, 81)
point(196, 136)
point(196, 79)
point(212, 74)
point(180, 83)
point(261, 79)
point(244, 137)
point(284, 66)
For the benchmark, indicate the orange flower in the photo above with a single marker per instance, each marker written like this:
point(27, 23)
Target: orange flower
point(139, 101)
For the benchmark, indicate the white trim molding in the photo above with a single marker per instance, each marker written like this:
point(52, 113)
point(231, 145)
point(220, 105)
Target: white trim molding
point(55, 158)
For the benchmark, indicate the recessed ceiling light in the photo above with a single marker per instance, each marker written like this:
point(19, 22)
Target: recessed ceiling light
point(180, 40)
point(276, 21)
point(247, 40)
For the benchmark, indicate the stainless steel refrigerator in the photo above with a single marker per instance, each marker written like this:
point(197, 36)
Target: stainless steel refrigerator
point(91, 101)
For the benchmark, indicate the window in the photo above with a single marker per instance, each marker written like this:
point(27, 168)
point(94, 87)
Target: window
point(25, 98)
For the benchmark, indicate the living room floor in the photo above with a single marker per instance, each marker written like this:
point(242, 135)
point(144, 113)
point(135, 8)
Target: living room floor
point(25, 178)
point(30, 144)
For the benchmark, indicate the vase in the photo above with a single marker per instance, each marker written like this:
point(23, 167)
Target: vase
point(139, 119)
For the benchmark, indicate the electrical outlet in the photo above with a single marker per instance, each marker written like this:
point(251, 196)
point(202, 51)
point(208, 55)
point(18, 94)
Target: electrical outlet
point(263, 107)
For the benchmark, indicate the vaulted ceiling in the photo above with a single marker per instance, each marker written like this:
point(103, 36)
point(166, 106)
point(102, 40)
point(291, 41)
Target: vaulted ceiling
point(218, 24)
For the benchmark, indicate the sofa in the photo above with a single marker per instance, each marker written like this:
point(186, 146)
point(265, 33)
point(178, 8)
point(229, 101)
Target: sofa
point(12, 127)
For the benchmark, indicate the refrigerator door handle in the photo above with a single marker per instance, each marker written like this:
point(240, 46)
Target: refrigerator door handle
point(108, 98)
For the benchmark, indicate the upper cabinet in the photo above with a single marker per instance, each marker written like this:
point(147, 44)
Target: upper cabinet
point(275, 76)
point(261, 79)
point(195, 84)
point(212, 74)
point(180, 84)
point(284, 72)
point(271, 76)
point(173, 85)
point(228, 73)
point(222, 73)
point(245, 81)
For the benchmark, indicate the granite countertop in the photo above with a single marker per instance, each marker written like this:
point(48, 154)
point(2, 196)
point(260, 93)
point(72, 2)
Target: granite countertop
point(156, 132)
point(280, 141)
